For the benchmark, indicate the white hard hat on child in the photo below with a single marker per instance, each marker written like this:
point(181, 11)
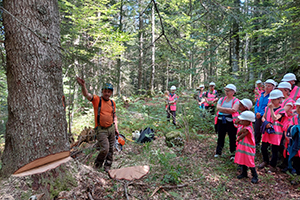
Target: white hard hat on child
point(289, 77)
point(212, 83)
point(201, 86)
point(173, 87)
point(258, 81)
point(297, 102)
point(247, 103)
point(247, 115)
point(285, 85)
point(271, 81)
point(275, 94)
point(231, 86)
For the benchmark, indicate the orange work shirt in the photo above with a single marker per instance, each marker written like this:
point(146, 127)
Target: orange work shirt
point(106, 114)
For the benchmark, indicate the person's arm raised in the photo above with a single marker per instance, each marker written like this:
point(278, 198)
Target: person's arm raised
point(85, 93)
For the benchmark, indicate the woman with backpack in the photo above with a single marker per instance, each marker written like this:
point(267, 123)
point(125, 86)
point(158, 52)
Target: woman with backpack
point(227, 113)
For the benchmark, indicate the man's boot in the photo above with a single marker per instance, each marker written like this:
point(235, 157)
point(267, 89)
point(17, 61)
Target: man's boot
point(254, 175)
point(107, 165)
point(244, 172)
point(98, 164)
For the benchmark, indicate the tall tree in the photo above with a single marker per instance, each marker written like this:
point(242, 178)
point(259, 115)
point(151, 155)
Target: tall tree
point(141, 51)
point(236, 43)
point(36, 124)
point(153, 47)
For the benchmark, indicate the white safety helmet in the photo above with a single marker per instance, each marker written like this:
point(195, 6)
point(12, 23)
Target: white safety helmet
point(247, 115)
point(289, 77)
point(231, 86)
point(212, 83)
point(202, 86)
point(275, 94)
point(258, 81)
point(173, 87)
point(297, 102)
point(247, 103)
point(271, 81)
point(285, 85)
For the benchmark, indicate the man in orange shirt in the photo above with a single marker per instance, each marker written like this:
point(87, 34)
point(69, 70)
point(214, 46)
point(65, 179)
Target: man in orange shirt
point(106, 124)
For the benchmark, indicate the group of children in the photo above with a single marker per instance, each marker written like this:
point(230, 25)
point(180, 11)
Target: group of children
point(278, 127)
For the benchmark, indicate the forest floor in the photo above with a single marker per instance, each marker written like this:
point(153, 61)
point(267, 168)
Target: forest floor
point(189, 172)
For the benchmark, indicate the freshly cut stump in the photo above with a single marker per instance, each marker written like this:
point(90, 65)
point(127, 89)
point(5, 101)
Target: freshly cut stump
point(43, 164)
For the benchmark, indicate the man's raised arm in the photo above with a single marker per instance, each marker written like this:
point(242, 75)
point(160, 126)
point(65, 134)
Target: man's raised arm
point(85, 93)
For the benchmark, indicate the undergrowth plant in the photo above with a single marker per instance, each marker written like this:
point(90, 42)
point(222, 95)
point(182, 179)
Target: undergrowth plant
point(169, 168)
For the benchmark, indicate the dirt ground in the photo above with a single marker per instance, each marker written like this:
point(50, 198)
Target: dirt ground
point(207, 178)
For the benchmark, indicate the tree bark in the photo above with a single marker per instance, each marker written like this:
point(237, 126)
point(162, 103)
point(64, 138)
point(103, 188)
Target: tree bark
point(36, 124)
point(141, 51)
point(119, 58)
point(236, 44)
point(153, 49)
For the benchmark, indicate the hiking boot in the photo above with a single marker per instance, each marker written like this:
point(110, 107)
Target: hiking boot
point(244, 172)
point(272, 169)
point(242, 175)
point(239, 168)
point(262, 165)
point(106, 168)
point(254, 180)
point(293, 171)
point(254, 175)
point(98, 164)
point(216, 156)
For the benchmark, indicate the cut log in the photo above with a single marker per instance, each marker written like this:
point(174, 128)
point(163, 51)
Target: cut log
point(43, 161)
point(129, 173)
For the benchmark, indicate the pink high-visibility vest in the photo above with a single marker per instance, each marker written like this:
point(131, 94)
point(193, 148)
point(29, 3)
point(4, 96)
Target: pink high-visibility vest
point(285, 102)
point(273, 138)
point(234, 115)
point(245, 150)
point(295, 93)
point(210, 97)
point(173, 106)
point(257, 96)
point(200, 95)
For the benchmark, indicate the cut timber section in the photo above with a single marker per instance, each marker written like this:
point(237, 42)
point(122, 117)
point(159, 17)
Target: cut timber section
point(43, 164)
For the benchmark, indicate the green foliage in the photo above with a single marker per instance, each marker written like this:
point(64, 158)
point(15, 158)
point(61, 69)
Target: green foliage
point(170, 171)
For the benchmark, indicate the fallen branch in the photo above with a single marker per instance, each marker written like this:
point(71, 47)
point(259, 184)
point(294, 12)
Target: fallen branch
point(125, 189)
point(90, 196)
point(168, 187)
point(74, 153)
point(168, 194)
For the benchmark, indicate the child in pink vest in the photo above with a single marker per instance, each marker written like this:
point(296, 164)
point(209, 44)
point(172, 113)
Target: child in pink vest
point(244, 105)
point(258, 90)
point(293, 141)
point(171, 108)
point(245, 150)
point(272, 129)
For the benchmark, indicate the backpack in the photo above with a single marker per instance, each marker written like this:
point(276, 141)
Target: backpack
point(146, 135)
point(99, 109)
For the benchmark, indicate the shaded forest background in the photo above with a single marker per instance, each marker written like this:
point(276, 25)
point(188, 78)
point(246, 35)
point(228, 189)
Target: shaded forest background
point(144, 47)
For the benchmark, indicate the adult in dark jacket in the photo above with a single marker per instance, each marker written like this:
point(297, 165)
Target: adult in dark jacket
point(260, 106)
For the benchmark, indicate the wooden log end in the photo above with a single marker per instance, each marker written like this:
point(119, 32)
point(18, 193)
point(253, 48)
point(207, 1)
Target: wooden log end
point(43, 162)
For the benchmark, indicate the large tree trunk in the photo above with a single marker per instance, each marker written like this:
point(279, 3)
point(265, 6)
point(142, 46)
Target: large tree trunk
point(36, 124)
